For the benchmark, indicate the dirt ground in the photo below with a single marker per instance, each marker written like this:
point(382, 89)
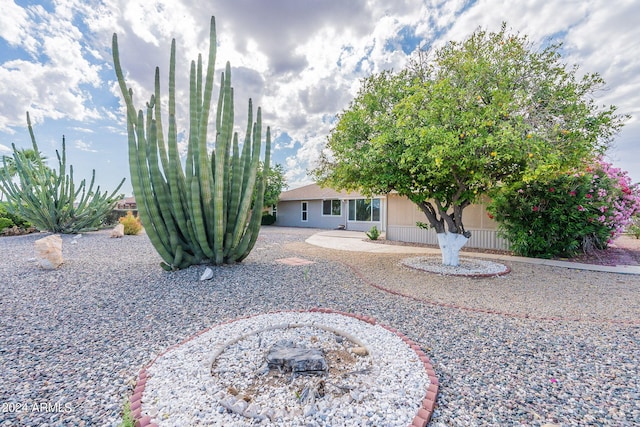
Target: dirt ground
point(625, 250)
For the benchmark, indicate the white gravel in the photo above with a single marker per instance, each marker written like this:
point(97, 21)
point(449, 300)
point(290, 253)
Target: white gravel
point(384, 388)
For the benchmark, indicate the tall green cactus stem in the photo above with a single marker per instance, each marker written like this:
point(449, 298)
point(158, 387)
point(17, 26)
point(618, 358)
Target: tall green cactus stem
point(49, 198)
point(202, 213)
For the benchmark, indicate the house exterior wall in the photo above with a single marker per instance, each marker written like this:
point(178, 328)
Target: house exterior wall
point(289, 214)
point(403, 215)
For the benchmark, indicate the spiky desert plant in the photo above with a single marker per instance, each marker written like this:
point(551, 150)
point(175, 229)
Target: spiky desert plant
point(49, 198)
point(202, 213)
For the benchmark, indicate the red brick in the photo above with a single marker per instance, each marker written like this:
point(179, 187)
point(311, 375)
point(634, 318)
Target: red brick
point(419, 422)
point(136, 413)
point(143, 422)
point(431, 396)
point(136, 397)
point(135, 405)
point(424, 414)
point(428, 405)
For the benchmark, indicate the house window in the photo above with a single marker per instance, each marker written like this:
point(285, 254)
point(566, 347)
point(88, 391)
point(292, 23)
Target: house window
point(364, 210)
point(274, 210)
point(331, 208)
point(305, 211)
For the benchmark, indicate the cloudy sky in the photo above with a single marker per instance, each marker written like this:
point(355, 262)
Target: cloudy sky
point(301, 60)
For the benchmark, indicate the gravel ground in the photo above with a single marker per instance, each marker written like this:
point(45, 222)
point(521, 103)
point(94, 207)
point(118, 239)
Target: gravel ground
point(72, 340)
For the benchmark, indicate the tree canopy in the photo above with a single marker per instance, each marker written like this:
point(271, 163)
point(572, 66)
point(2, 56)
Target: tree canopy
point(458, 121)
point(276, 182)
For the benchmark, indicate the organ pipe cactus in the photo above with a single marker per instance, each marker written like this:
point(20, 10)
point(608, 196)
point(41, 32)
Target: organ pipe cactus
point(48, 198)
point(201, 213)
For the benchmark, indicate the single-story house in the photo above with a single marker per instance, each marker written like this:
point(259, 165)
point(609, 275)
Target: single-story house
point(128, 203)
point(316, 207)
point(312, 206)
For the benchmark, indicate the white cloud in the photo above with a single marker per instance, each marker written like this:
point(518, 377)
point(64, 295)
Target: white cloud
point(84, 146)
point(300, 61)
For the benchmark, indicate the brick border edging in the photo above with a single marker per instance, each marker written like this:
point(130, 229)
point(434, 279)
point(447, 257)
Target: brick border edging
point(368, 282)
point(421, 419)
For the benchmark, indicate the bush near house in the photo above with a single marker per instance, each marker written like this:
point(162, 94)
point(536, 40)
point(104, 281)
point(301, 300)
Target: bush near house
point(268, 219)
point(634, 227)
point(561, 216)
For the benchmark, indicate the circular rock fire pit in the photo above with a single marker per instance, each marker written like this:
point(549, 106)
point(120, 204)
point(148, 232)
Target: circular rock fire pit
point(289, 369)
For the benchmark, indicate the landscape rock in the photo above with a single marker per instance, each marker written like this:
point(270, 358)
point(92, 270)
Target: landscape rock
point(118, 231)
point(286, 356)
point(49, 252)
point(208, 274)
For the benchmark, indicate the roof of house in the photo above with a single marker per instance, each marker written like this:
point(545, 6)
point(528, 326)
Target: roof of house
point(315, 192)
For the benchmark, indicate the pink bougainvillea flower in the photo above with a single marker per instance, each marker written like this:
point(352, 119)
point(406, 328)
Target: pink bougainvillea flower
point(588, 196)
point(572, 193)
point(551, 190)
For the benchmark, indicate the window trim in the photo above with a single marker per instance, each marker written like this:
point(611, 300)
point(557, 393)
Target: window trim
point(332, 214)
point(355, 210)
point(304, 211)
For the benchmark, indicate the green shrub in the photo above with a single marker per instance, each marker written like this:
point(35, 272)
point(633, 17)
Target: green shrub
point(373, 234)
point(268, 219)
point(634, 227)
point(132, 224)
point(15, 219)
point(5, 223)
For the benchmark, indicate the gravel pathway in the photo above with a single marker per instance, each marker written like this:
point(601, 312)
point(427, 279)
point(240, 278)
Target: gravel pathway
point(73, 340)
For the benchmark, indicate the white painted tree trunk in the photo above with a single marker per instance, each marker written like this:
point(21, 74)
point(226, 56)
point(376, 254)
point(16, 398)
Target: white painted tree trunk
point(450, 245)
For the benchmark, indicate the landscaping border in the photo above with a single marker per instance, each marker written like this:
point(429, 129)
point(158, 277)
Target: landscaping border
point(421, 419)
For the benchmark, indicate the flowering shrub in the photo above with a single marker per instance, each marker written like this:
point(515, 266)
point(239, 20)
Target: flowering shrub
point(560, 216)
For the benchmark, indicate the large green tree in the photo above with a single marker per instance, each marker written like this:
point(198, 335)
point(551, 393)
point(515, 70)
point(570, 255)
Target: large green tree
point(459, 121)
